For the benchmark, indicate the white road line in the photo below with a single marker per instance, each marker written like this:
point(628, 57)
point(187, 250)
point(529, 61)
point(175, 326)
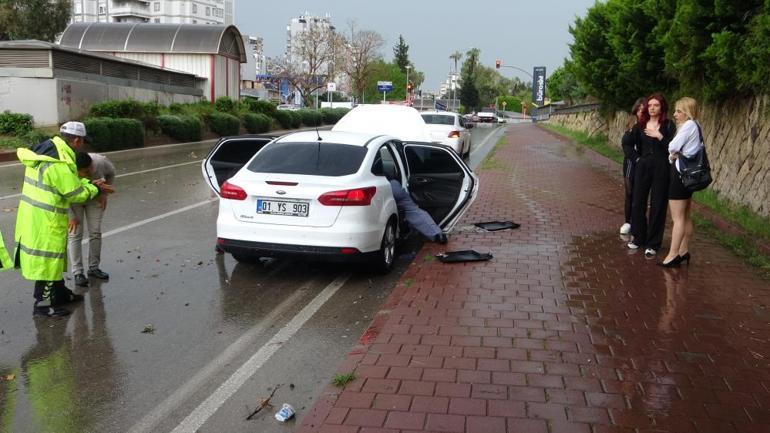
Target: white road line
point(205, 410)
point(181, 164)
point(156, 218)
point(494, 133)
point(149, 422)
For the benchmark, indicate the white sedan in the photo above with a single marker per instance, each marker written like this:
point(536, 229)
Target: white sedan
point(327, 194)
point(450, 129)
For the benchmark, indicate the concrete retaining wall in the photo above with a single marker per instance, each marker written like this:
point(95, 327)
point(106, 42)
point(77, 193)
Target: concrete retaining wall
point(737, 137)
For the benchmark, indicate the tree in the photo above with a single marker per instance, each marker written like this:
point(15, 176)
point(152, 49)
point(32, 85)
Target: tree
point(469, 94)
point(311, 62)
point(384, 71)
point(33, 19)
point(361, 51)
point(456, 56)
point(401, 54)
point(563, 86)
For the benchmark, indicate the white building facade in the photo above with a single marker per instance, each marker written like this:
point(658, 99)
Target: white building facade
point(299, 25)
point(219, 12)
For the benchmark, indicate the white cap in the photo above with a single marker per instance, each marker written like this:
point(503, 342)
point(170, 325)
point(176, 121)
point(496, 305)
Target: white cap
point(73, 128)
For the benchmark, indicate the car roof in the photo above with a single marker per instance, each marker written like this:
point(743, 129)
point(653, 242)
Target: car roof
point(337, 137)
point(400, 121)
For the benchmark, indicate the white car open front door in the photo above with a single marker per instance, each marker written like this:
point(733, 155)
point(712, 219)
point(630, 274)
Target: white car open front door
point(439, 182)
point(229, 155)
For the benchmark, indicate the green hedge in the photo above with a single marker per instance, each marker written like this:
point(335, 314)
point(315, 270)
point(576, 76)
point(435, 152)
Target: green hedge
point(224, 124)
point(15, 123)
point(224, 104)
point(114, 134)
point(288, 119)
point(260, 106)
point(310, 117)
point(181, 127)
point(256, 123)
point(333, 115)
point(125, 109)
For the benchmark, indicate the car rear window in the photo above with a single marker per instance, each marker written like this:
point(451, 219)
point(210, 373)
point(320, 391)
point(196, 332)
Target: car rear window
point(316, 159)
point(438, 119)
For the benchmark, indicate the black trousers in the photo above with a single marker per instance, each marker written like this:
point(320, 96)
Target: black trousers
point(650, 182)
point(629, 168)
point(55, 291)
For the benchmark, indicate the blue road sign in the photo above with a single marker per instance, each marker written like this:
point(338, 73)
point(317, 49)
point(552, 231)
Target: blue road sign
point(439, 105)
point(384, 86)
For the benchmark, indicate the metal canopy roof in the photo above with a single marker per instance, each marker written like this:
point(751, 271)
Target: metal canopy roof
point(156, 38)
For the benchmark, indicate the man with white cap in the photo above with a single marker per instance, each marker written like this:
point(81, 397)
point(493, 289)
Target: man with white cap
point(51, 184)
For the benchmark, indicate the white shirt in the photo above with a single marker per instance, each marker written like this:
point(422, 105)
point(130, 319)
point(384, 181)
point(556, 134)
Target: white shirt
point(686, 141)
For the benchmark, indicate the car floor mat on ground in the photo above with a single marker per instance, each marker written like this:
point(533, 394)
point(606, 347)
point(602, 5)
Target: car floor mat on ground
point(463, 256)
point(493, 226)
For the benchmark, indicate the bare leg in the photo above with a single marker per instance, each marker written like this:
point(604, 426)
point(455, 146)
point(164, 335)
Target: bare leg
point(684, 245)
point(678, 209)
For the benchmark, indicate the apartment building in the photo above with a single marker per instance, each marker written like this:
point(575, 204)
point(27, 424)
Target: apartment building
point(158, 11)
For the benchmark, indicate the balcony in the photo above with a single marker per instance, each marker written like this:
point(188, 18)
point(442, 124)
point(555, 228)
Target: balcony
point(131, 10)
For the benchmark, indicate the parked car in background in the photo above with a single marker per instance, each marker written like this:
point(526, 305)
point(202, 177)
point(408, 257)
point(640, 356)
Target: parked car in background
point(450, 129)
point(290, 107)
point(399, 121)
point(326, 194)
point(487, 117)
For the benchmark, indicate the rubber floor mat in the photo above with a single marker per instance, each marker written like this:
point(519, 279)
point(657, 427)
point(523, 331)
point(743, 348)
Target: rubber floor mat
point(493, 226)
point(463, 256)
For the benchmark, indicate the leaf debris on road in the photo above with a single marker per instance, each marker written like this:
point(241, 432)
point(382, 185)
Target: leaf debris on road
point(263, 403)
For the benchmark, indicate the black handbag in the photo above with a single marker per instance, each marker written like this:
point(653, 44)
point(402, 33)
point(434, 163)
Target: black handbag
point(695, 171)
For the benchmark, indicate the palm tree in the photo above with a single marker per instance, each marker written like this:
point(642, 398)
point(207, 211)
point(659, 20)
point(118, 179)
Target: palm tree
point(456, 56)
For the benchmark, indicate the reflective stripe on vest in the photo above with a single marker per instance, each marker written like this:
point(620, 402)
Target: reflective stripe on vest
point(44, 206)
point(40, 253)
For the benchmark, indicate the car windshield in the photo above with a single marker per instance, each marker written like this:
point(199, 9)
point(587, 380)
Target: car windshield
point(315, 159)
point(438, 119)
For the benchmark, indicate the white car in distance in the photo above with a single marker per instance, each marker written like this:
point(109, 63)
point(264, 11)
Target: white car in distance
point(450, 129)
point(327, 195)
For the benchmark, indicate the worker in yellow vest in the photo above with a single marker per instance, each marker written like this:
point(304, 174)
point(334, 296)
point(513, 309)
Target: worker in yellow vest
point(5, 260)
point(51, 184)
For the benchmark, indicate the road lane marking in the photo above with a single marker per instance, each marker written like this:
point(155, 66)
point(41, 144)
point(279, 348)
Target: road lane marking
point(487, 138)
point(155, 218)
point(149, 422)
point(208, 407)
point(181, 164)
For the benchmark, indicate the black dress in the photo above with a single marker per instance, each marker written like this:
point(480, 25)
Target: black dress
point(651, 182)
point(629, 143)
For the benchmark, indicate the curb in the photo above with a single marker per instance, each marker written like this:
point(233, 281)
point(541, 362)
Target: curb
point(717, 220)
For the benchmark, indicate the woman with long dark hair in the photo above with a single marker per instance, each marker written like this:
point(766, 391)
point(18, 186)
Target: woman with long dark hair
point(652, 176)
point(630, 145)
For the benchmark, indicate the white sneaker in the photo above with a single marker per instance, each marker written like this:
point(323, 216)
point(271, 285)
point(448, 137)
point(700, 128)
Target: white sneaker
point(649, 252)
point(625, 229)
point(632, 246)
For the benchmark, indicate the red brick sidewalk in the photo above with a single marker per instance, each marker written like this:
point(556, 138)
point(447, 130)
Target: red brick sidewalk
point(565, 330)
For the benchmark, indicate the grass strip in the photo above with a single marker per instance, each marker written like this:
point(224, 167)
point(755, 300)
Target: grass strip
point(490, 162)
point(596, 142)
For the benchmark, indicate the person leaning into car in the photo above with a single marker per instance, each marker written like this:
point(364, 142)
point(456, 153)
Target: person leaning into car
point(417, 218)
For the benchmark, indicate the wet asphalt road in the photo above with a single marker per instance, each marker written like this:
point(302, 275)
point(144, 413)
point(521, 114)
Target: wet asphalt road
point(225, 334)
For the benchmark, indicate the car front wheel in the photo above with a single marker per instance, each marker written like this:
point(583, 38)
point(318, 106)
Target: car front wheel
point(386, 256)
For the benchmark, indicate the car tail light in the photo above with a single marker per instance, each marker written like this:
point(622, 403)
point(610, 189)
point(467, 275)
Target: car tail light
point(454, 134)
point(349, 251)
point(232, 192)
point(348, 197)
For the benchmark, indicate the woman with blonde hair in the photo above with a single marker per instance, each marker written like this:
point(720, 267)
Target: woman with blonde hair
point(686, 143)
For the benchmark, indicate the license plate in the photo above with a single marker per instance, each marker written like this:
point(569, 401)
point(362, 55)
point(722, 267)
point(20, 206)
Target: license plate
point(282, 207)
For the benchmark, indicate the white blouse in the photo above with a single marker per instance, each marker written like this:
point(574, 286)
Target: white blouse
point(686, 141)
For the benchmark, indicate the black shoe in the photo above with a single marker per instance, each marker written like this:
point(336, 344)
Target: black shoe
point(673, 263)
point(440, 238)
point(48, 311)
point(81, 280)
point(685, 258)
point(98, 273)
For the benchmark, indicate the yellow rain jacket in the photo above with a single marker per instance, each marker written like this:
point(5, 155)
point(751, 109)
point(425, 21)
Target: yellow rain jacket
point(5, 261)
point(51, 184)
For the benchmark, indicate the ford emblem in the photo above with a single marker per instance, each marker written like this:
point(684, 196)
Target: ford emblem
point(280, 192)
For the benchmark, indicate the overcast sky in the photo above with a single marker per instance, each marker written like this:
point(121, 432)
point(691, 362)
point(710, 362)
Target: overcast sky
point(523, 33)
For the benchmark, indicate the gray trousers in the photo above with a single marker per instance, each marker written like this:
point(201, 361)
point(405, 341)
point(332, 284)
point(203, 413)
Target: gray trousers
point(87, 213)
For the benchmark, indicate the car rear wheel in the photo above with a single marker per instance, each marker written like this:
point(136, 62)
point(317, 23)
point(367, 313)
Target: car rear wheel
point(386, 256)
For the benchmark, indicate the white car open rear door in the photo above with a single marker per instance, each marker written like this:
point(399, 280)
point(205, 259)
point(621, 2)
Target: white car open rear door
point(229, 155)
point(439, 182)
